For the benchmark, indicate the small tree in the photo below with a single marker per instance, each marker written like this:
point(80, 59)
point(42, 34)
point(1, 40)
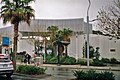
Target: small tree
point(91, 51)
point(96, 53)
point(109, 20)
point(38, 39)
point(53, 30)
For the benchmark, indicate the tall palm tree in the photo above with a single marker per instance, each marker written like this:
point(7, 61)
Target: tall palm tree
point(16, 11)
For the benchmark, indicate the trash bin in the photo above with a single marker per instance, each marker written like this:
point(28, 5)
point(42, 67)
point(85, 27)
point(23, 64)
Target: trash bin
point(38, 61)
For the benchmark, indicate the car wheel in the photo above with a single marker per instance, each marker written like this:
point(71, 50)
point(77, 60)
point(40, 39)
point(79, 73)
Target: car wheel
point(9, 75)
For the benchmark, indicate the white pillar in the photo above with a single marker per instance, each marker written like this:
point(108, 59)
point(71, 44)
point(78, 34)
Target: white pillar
point(76, 47)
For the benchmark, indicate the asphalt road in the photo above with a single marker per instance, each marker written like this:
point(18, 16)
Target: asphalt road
point(15, 77)
point(57, 74)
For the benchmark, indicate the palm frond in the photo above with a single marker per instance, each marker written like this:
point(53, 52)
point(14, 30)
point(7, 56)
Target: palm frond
point(16, 11)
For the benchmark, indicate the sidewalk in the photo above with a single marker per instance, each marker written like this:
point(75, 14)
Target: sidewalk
point(82, 67)
point(112, 68)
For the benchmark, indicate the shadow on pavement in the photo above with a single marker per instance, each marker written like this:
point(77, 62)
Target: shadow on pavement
point(5, 78)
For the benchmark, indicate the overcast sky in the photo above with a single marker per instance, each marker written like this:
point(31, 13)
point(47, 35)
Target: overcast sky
point(52, 9)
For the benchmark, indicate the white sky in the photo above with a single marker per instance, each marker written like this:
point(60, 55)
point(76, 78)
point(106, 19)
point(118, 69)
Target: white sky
point(53, 9)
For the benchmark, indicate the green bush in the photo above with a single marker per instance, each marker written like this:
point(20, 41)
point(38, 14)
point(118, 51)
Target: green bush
point(97, 62)
point(49, 56)
point(105, 76)
point(82, 61)
point(105, 60)
point(63, 59)
point(113, 60)
point(68, 60)
point(93, 75)
point(31, 70)
point(53, 60)
point(80, 75)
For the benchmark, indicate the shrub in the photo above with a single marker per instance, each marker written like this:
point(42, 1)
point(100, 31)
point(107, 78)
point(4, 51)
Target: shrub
point(68, 60)
point(105, 60)
point(80, 75)
point(105, 76)
point(113, 60)
point(82, 61)
point(97, 62)
point(49, 56)
point(53, 60)
point(31, 70)
point(93, 75)
point(63, 60)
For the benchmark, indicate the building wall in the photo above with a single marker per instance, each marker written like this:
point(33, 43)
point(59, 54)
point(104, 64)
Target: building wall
point(106, 45)
point(75, 48)
point(76, 45)
point(77, 24)
point(24, 45)
point(7, 31)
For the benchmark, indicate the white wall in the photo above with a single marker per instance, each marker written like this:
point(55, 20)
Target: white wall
point(105, 45)
point(76, 47)
point(23, 45)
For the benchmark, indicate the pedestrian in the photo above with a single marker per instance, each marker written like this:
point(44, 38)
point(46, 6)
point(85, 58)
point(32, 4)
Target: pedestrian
point(28, 57)
point(25, 60)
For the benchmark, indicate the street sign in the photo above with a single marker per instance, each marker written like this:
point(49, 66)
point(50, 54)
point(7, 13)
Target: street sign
point(5, 41)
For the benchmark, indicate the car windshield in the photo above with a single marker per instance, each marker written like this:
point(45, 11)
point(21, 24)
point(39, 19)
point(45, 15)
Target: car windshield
point(4, 59)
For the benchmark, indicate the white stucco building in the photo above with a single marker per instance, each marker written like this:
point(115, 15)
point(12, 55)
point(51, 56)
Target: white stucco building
point(108, 48)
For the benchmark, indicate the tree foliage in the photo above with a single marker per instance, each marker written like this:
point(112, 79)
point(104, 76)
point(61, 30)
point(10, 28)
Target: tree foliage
point(53, 30)
point(93, 53)
point(109, 19)
point(16, 11)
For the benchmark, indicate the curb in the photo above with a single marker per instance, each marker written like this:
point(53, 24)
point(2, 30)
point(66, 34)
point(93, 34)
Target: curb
point(111, 68)
point(83, 67)
point(32, 76)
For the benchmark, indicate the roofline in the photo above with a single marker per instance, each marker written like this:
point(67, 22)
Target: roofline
point(61, 19)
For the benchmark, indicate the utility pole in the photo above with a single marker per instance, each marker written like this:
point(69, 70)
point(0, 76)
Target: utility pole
point(88, 33)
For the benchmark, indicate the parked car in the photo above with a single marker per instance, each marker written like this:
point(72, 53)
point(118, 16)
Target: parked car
point(6, 65)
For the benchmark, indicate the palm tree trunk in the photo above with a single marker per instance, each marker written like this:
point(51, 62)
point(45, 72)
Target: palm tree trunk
point(15, 45)
point(45, 48)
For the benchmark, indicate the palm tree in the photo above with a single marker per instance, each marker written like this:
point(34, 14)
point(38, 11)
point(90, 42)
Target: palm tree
point(52, 30)
point(16, 11)
point(66, 33)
